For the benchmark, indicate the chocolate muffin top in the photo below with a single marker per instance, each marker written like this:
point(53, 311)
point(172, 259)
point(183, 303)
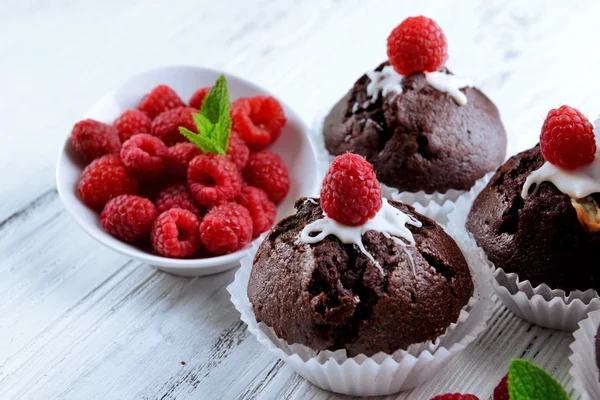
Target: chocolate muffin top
point(420, 139)
point(329, 295)
point(540, 237)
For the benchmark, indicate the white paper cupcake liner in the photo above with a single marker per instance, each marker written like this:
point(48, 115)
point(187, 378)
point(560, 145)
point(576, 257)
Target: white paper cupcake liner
point(584, 369)
point(382, 373)
point(540, 305)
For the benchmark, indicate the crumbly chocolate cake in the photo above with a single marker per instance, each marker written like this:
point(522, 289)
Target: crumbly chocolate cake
point(540, 237)
point(328, 295)
point(420, 139)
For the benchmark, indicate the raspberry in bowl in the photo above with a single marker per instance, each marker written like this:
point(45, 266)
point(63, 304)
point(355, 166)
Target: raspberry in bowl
point(135, 183)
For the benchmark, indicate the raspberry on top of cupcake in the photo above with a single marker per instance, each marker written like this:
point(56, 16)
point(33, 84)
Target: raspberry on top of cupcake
point(355, 271)
point(538, 216)
point(420, 126)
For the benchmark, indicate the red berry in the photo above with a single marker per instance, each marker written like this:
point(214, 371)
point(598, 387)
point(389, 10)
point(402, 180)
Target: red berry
point(258, 120)
point(350, 193)
point(567, 138)
point(418, 44)
point(198, 97)
point(179, 157)
point(104, 179)
point(455, 396)
point(92, 139)
point(160, 99)
point(177, 195)
point(128, 217)
point(166, 125)
point(175, 233)
point(213, 179)
point(237, 151)
point(501, 391)
point(132, 122)
point(226, 228)
point(267, 171)
point(261, 209)
point(144, 156)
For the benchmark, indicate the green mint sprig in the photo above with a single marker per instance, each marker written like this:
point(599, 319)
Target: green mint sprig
point(527, 381)
point(212, 121)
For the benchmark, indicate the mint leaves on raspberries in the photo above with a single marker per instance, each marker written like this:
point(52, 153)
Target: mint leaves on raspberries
point(213, 121)
point(527, 381)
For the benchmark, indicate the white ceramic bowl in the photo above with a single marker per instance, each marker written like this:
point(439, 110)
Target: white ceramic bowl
point(294, 146)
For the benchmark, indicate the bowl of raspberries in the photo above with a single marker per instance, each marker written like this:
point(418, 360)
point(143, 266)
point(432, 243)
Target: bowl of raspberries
point(183, 167)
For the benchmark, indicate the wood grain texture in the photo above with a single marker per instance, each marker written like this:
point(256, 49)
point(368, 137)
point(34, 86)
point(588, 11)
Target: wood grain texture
point(79, 321)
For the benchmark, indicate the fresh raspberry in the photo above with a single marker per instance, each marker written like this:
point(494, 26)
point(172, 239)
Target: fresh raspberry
point(350, 193)
point(179, 157)
point(213, 179)
point(128, 217)
point(567, 138)
point(261, 209)
point(160, 99)
point(132, 122)
point(104, 179)
point(177, 195)
point(198, 97)
point(166, 125)
point(237, 151)
point(501, 391)
point(266, 170)
point(455, 396)
point(258, 120)
point(418, 44)
point(144, 156)
point(92, 139)
point(175, 233)
point(226, 228)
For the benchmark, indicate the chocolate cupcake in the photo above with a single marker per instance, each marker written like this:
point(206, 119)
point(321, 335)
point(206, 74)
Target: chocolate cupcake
point(421, 127)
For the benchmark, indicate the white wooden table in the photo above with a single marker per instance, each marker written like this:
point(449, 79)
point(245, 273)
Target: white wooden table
point(78, 321)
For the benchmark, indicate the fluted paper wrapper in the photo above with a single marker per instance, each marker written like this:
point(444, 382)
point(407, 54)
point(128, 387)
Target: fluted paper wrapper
point(541, 305)
point(584, 369)
point(382, 373)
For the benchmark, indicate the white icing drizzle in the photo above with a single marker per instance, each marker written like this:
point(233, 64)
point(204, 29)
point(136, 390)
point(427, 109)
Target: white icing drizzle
point(389, 81)
point(450, 84)
point(311, 201)
point(389, 221)
point(355, 107)
point(577, 184)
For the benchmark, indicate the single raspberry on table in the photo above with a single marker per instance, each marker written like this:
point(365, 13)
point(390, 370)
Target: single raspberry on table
point(92, 139)
point(501, 391)
point(267, 171)
point(261, 209)
point(132, 122)
point(179, 157)
point(144, 156)
point(418, 44)
point(160, 99)
point(455, 396)
point(226, 228)
point(258, 120)
point(213, 179)
point(237, 151)
point(198, 97)
point(105, 178)
point(128, 217)
point(175, 233)
point(351, 193)
point(177, 195)
point(166, 125)
point(567, 139)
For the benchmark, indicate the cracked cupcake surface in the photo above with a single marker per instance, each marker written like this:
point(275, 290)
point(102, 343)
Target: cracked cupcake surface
point(420, 139)
point(330, 296)
point(540, 238)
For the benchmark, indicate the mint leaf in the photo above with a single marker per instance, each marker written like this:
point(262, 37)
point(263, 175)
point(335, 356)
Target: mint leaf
point(213, 121)
point(527, 381)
